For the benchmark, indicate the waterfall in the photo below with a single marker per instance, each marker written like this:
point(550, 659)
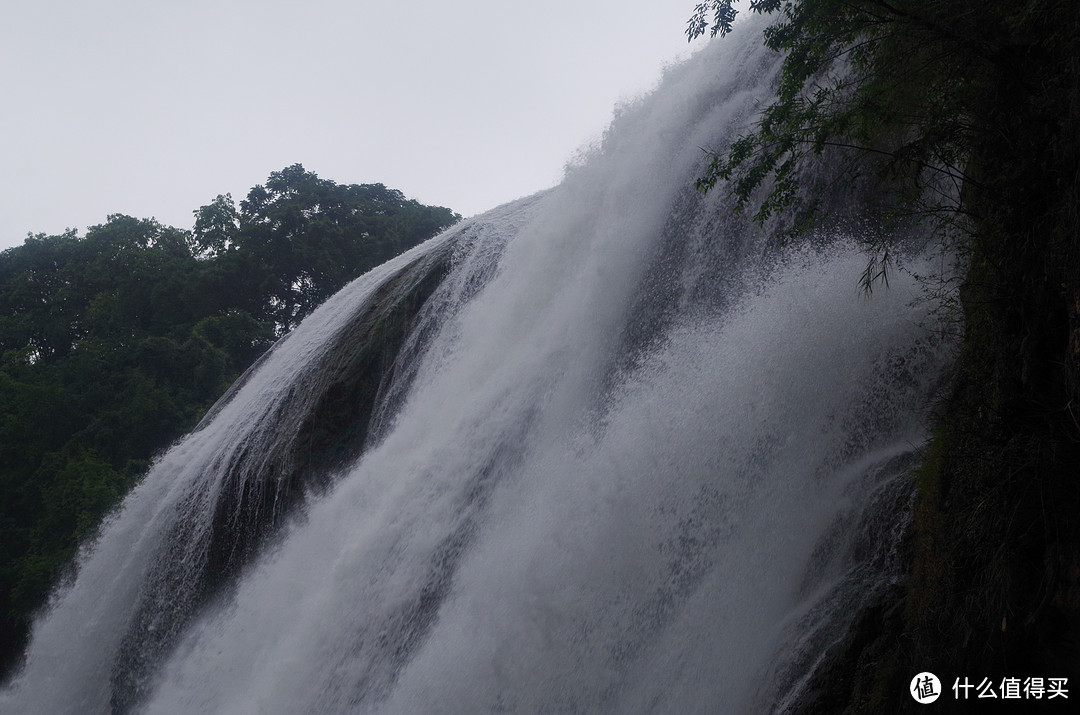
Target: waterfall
point(610, 448)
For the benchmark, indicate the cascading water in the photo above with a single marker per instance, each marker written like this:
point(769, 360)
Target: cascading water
point(605, 449)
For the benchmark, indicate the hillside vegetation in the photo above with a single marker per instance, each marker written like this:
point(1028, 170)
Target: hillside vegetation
point(114, 344)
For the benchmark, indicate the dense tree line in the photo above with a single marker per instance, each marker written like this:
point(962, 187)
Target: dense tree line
point(113, 344)
point(969, 111)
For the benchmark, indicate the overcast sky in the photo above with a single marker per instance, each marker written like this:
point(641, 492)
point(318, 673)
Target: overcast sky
point(152, 109)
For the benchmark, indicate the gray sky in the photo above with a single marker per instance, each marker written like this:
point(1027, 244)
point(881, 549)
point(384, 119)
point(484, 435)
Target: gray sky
point(152, 109)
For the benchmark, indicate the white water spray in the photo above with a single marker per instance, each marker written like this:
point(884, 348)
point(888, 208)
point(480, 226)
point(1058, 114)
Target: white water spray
point(605, 475)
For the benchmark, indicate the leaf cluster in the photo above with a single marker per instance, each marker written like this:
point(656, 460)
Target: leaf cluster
point(888, 87)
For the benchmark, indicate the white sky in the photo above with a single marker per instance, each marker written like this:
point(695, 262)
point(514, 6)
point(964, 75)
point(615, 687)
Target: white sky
point(152, 109)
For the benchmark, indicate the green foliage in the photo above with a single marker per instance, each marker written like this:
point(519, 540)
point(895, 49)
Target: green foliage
point(114, 344)
point(892, 86)
point(295, 230)
point(216, 226)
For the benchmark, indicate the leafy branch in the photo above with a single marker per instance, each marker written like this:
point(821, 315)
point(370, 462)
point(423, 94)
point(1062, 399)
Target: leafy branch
point(891, 80)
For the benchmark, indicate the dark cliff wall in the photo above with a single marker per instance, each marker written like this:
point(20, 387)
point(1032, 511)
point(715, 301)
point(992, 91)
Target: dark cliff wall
point(993, 556)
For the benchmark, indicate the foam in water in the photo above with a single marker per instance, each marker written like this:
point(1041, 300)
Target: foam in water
point(606, 474)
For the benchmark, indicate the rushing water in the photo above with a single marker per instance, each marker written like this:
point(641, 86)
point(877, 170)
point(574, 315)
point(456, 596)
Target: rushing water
point(626, 455)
